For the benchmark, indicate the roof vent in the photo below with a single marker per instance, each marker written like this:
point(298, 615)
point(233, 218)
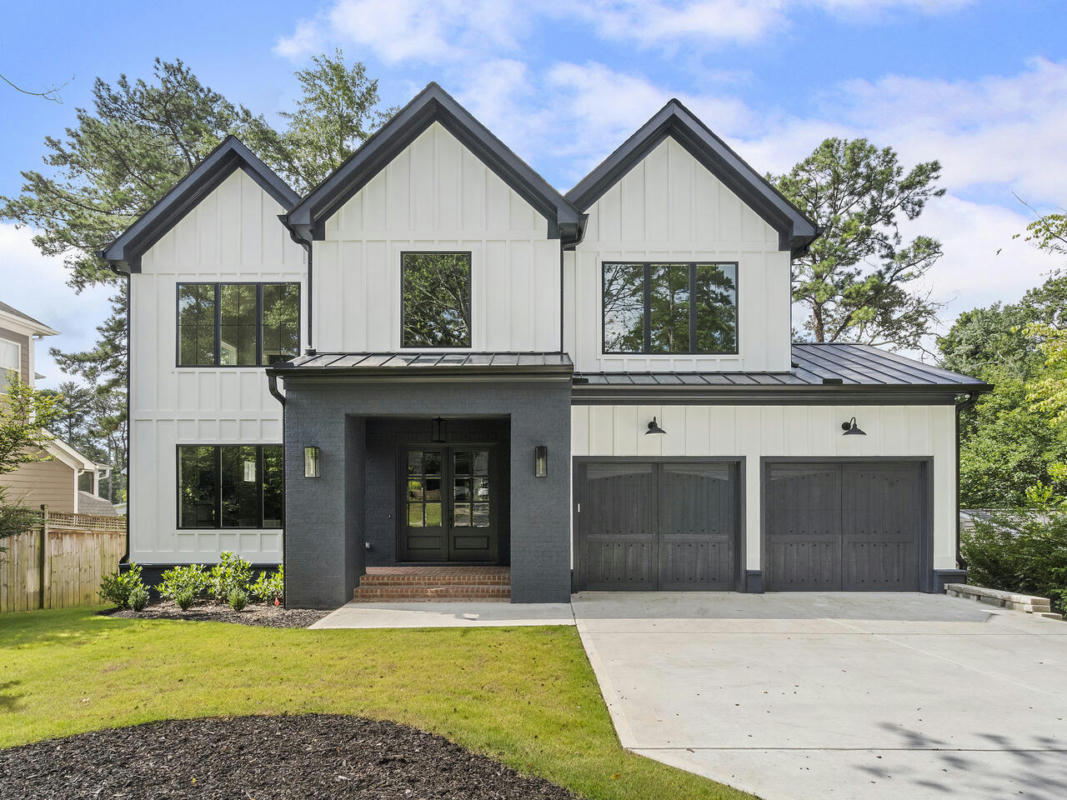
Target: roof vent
point(832, 381)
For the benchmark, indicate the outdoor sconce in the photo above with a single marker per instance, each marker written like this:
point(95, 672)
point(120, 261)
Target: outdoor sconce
point(541, 461)
point(438, 435)
point(653, 427)
point(850, 428)
point(311, 461)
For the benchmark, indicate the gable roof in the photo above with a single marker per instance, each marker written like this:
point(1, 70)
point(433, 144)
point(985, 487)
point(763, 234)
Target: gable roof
point(37, 326)
point(433, 104)
point(125, 252)
point(795, 230)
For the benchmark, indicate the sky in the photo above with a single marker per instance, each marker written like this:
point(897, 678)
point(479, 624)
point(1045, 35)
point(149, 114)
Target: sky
point(980, 86)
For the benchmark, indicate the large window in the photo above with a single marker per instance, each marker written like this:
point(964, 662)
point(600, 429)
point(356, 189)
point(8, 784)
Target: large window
point(230, 486)
point(237, 324)
point(436, 300)
point(10, 363)
point(670, 308)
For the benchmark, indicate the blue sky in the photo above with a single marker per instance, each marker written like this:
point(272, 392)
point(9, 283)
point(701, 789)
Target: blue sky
point(981, 86)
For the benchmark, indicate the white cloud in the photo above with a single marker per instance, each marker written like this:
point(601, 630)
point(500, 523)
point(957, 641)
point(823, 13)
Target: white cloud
point(37, 286)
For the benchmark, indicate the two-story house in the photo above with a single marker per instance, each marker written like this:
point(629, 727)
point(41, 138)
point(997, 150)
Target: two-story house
point(435, 358)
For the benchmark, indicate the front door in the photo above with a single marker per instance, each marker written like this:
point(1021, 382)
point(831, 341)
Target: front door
point(449, 511)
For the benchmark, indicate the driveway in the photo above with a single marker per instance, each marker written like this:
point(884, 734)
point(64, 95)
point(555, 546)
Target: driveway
point(800, 695)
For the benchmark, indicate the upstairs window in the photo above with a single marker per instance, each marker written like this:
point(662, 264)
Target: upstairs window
point(231, 486)
point(237, 324)
point(435, 300)
point(10, 363)
point(670, 309)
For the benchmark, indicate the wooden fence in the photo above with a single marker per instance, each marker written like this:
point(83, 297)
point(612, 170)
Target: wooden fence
point(60, 563)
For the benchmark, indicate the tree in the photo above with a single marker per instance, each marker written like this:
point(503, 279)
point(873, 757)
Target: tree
point(857, 280)
point(25, 416)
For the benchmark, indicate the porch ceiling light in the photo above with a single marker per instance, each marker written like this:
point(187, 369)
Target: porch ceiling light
point(541, 461)
point(850, 428)
point(653, 427)
point(438, 435)
point(311, 461)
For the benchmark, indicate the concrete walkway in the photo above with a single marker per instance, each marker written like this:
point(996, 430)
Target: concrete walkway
point(797, 696)
point(446, 615)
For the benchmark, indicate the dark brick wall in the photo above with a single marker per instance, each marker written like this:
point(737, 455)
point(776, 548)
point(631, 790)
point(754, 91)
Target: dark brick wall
point(328, 519)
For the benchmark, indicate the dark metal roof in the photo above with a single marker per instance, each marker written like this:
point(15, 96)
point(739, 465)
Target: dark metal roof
point(16, 313)
point(795, 230)
point(126, 251)
point(430, 363)
point(432, 104)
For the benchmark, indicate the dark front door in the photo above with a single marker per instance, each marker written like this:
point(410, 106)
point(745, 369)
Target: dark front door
point(450, 506)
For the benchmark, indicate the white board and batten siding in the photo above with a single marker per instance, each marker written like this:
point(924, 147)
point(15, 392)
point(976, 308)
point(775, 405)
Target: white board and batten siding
point(232, 235)
point(436, 195)
point(670, 208)
point(786, 431)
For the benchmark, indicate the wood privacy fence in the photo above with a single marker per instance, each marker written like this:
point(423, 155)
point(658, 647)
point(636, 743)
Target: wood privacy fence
point(59, 564)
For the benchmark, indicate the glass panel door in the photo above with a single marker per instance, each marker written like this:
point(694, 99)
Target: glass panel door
point(423, 524)
point(472, 537)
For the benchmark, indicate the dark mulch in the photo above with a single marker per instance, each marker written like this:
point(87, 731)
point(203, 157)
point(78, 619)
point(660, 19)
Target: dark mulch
point(268, 616)
point(263, 758)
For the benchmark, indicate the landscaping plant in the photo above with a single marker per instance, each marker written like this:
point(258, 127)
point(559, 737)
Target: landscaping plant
point(269, 586)
point(184, 598)
point(189, 580)
point(117, 587)
point(238, 599)
point(231, 573)
point(139, 598)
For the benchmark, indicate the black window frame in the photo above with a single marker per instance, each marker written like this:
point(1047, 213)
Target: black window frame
point(647, 312)
point(470, 327)
point(218, 526)
point(217, 351)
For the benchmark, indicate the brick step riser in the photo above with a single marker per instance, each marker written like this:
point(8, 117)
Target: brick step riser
point(369, 580)
point(443, 592)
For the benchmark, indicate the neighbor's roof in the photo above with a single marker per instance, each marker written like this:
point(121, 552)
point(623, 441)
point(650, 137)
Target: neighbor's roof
point(795, 230)
point(395, 364)
point(37, 325)
point(126, 251)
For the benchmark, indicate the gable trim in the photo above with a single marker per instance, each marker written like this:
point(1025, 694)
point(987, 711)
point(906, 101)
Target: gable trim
point(125, 252)
point(307, 219)
point(795, 230)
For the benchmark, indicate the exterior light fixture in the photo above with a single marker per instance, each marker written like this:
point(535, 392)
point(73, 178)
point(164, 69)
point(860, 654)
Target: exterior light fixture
point(541, 461)
point(850, 428)
point(438, 430)
point(311, 462)
point(653, 427)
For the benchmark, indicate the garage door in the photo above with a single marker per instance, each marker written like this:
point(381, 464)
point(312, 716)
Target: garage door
point(851, 526)
point(643, 525)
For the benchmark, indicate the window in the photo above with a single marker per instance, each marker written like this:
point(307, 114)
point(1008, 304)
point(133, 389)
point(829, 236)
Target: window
point(230, 486)
point(667, 309)
point(435, 300)
point(237, 324)
point(10, 363)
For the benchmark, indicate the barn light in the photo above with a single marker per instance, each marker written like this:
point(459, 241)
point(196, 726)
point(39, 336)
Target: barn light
point(653, 427)
point(850, 428)
point(311, 461)
point(541, 461)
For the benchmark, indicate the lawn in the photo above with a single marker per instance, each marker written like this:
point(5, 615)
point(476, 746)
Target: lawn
point(526, 696)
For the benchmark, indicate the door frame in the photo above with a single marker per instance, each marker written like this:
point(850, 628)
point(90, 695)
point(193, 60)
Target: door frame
point(927, 579)
point(742, 516)
point(497, 477)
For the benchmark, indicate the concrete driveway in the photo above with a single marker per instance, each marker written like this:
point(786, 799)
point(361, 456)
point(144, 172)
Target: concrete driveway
point(796, 696)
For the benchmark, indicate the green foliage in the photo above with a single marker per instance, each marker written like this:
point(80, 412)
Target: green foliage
point(117, 587)
point(191, 579)
point(436, 300)
point(1024, 553)
point(138, 598)
point(232, 573)
point(15, 518)
point(238, 599)
point(25, 415)
point(269, 585)
point(856, 279)
point(184, 598)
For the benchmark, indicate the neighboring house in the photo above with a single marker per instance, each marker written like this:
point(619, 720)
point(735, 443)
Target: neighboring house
point(436, 358)
point(55, 478)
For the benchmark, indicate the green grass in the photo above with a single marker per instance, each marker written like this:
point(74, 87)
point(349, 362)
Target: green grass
point(526, 696)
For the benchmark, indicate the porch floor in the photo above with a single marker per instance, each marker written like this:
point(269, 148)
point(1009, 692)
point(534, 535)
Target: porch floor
point(434, 583)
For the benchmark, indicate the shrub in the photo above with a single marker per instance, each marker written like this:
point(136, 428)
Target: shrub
point(1020, 552)
point(117, 587)
point(138, 598)
point(238, 599)
point(269, 585)
point(184, 598)
point(232, 572)
point(191, 579)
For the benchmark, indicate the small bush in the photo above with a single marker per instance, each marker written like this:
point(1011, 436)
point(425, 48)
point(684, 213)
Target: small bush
point(238, 599)
point(117, 587)
point(231, 573)
point(138, 598)
point(269, 585)
point(184, 598)
point(191, 578)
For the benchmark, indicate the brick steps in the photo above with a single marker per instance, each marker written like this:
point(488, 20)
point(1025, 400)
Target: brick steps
point(429, 584)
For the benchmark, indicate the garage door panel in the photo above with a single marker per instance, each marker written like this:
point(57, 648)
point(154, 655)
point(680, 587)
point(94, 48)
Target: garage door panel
point(698, 519)
point(620, 562)
point(881, 518)
point(804, 527)
point(618, 526)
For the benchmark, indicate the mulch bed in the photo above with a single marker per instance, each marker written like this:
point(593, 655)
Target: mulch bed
point(263, 758)
point(268, 616)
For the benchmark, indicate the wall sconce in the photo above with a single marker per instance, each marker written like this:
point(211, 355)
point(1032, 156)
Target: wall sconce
point(653, 427)
point(541, 461)
point(850, 428)
point(438, 435)
point(311, 461)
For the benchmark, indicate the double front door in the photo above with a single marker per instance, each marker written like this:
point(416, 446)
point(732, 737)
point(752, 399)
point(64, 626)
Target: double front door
point(449, 504)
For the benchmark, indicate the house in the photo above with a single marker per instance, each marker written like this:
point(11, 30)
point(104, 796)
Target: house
point(56, 478)
point(435, 358)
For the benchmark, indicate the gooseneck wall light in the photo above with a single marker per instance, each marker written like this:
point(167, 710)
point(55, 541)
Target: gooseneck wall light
point(850, 428)
point(653, 427)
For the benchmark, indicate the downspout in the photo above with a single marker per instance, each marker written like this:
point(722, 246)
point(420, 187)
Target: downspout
point(272, 387)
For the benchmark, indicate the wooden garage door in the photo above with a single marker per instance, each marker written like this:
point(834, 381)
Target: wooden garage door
point(651, 526)
point(851, 526)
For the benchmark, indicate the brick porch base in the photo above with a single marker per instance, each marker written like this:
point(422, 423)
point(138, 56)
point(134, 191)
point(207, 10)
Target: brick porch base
point(399, 584)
